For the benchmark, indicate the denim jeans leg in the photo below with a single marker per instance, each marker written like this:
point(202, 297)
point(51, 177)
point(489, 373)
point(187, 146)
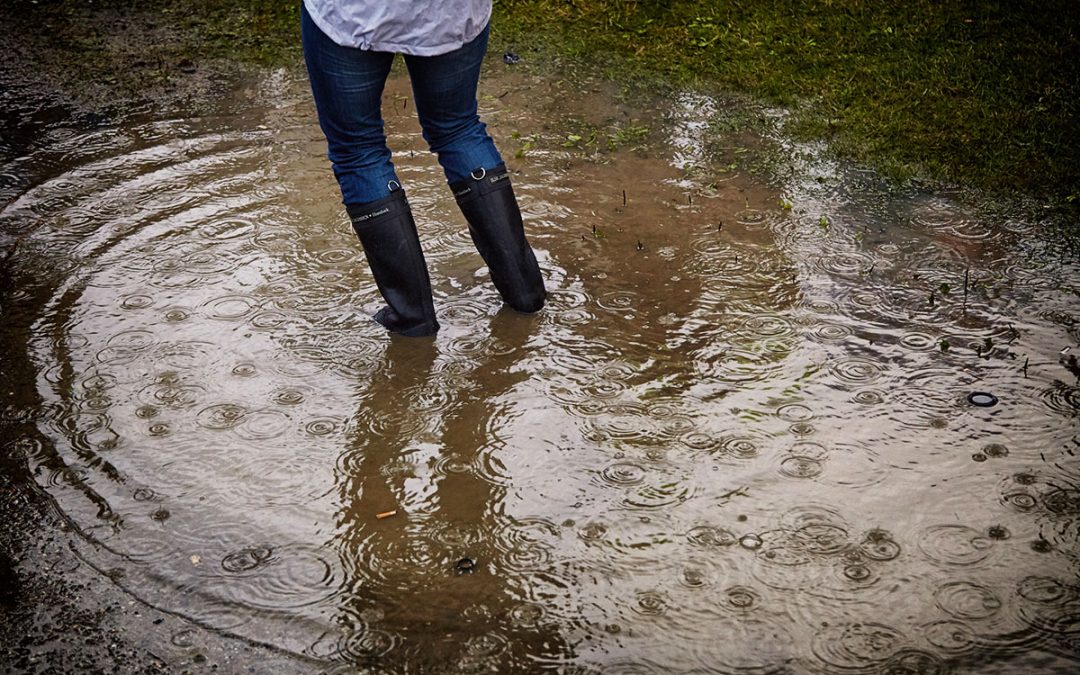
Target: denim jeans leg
point(347, 85)
point(444, 88)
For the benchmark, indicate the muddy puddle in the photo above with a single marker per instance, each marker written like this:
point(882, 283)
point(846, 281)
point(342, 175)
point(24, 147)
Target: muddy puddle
point(738, 439)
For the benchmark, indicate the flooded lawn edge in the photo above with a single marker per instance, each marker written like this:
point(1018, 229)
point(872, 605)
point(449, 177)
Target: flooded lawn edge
point(132, 58)
point(898, 87)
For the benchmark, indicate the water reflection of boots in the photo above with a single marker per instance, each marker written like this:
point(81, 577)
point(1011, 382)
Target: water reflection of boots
point(410, 605)
point(388, 234)
point(495, 225)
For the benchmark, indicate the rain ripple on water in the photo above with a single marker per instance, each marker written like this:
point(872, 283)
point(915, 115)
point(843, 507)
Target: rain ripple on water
point(730, 420)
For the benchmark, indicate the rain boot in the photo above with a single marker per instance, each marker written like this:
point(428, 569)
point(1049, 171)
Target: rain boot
point(494, 218)
point(388, 234)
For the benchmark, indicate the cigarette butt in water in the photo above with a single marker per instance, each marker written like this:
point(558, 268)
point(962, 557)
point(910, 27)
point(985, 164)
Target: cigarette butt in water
point(385, 514)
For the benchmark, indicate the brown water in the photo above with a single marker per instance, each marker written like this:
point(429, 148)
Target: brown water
point(731, 442)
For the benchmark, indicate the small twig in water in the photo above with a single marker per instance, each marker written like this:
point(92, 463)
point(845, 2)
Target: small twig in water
point(967, 271)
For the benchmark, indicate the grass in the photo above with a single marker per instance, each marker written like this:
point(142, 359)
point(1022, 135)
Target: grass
point(984, 94)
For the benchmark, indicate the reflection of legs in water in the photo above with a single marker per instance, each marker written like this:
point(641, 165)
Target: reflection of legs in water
point(370, 477)
point(405, 585)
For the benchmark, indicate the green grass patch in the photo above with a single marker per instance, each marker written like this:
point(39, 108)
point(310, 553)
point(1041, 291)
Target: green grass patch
point(984, 94)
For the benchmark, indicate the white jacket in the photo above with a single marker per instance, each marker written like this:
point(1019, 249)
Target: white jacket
point(416, 27)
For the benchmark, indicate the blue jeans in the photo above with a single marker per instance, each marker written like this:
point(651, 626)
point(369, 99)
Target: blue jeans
point(347, 84)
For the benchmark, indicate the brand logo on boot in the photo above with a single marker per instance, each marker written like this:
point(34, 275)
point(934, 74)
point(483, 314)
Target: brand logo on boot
point(496, 179)
point(368, 216)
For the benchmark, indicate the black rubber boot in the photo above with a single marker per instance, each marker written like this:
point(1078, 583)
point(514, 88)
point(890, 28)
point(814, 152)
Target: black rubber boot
point(388, 234)
point(495, 225)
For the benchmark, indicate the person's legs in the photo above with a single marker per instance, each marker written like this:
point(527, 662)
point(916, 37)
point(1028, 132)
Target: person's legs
point(444, 88)
point(347, 85)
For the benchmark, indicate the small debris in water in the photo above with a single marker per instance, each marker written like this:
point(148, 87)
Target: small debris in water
point(967, 273)
point(196, 560)
point(978, 457)
point(1041, 546)
point(465, 566)
point(997, 532)
point(385, 514)
point(982, 399)
point(1072, 365)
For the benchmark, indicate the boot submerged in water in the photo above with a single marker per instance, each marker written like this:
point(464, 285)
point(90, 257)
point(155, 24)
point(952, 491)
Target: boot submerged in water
point(388, 234)
point(487, 201)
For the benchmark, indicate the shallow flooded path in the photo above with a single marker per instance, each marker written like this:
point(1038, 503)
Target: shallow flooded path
point(748, 434)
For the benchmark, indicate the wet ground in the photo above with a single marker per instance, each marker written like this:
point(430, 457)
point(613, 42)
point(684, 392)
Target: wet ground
point(739, 439)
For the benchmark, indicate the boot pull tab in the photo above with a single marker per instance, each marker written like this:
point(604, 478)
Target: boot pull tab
point(492, 180)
